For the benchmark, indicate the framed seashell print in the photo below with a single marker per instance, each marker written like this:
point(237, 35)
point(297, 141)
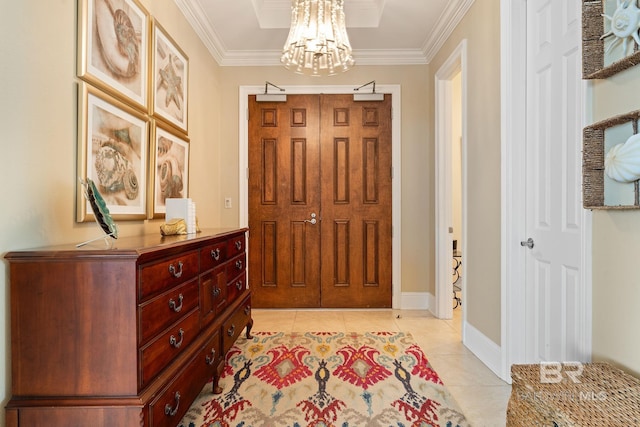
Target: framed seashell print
point(170, 79)
point(611, 163)
point(113, 48)
point(170, 166)
point(610, 38)
point(113, 151)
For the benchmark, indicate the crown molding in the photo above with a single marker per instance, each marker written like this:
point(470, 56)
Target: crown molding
point(195, 16)
point(448, 21)
point(450, 18)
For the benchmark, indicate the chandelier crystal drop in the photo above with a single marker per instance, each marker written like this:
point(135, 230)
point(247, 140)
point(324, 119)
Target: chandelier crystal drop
point(318, 44)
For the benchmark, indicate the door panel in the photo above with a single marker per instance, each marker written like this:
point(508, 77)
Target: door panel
point(554, 290)
point(284, 190)
point(328, 156)
point(356, 202)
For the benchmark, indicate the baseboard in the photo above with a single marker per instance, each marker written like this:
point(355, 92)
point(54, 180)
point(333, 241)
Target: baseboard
point(485, 349)
point(417, 301)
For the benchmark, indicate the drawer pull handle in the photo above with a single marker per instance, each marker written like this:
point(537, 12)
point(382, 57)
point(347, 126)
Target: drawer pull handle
point(173, 306)
point(211, 359)
point(239, 285)
point(172, 270)
point(238, 244)
point(231, 330)
point(215, 254)
point(247, 310)
point(216, 291)
point(168, 410)
point(239, 264)
point(174, 341)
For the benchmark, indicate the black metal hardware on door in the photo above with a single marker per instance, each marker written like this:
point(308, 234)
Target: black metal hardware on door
point(528, 243)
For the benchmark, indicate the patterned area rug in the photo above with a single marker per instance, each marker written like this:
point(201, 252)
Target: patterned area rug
point(326, 379)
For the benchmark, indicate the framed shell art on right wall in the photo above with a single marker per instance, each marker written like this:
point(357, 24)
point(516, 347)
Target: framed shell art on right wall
point(610, 37)
point(611, 163)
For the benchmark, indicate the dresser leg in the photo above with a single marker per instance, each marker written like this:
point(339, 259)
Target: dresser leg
point(216, 377)
point(249, 326)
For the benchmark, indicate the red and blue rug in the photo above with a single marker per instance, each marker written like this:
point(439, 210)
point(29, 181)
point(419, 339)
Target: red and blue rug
point(326, 379)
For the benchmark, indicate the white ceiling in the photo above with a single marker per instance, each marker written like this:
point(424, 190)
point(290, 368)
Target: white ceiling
point(381, 32)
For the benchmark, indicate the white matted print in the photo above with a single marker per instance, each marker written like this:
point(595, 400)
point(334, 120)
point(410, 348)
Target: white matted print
point(171, 168)
point(113, 152)
point(113, 48)
point(170, 79)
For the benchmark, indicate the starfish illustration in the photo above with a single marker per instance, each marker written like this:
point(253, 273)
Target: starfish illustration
point(173, 84)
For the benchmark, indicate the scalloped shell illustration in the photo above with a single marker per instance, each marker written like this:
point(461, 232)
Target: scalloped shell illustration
point(622, 162)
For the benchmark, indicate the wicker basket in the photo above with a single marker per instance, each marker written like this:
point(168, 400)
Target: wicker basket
point(604, 396)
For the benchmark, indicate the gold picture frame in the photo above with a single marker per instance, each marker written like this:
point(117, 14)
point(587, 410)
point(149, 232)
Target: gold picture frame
point(113, 48)
point(169, 167)
point(113, 151)
point(170, 79)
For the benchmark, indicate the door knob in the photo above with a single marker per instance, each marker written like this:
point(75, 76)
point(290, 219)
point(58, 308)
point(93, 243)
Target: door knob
point(312, 220)
point(528, 243)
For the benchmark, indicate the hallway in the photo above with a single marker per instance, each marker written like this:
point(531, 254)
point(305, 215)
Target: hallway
point(480, 393)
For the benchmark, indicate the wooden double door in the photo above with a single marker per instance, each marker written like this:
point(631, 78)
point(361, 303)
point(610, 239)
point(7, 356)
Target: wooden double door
point(320, 229)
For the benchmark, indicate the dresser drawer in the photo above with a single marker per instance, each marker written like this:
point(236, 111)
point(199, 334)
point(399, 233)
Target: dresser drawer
point(233, 327)
point(167, 308)
point(174, 400)
point(236, 245)
point(167, 273)
point(235, 266)
point(236, 287)
point(213, 255)
point(163, 349)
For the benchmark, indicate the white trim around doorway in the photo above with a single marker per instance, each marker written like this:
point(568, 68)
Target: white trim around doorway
point(456, 63)
point(396, 136)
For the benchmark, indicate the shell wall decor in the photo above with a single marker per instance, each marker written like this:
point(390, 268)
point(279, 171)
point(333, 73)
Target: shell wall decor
point(610, 37)
point(611, 163)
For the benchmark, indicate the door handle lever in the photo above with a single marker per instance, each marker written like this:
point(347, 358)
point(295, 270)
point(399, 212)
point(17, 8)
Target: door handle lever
point(528, 243)
point(313, 219)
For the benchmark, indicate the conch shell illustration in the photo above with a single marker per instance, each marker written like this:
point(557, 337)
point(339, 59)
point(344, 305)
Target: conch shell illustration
point(622, 162)
point(118, 38)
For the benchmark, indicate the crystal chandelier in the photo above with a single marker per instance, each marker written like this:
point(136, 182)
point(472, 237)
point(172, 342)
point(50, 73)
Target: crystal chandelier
point(318, 43)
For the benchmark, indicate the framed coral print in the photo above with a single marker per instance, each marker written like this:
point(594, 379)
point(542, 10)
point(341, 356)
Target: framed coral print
point(610, 37)
point(170, 167)
point(113, 48)
point(170, 67)
point(113, 147)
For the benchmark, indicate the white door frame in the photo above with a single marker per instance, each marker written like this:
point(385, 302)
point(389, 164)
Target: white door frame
point(457, 62)
point(513, 30)
point(396, 142)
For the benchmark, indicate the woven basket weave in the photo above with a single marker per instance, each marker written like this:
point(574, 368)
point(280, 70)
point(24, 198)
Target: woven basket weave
point(605, 396)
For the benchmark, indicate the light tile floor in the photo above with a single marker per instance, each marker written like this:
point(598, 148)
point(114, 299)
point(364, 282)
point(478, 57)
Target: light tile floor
point(482, 396)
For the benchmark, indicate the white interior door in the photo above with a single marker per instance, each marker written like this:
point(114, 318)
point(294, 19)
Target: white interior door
point(556, 320)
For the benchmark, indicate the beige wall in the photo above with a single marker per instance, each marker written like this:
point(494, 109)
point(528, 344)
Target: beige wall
point(38, 121)
point(616, 245)
point(481, 28)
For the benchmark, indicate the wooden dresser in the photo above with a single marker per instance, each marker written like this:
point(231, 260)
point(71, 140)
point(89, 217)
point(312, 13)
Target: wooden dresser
point(126, 336)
